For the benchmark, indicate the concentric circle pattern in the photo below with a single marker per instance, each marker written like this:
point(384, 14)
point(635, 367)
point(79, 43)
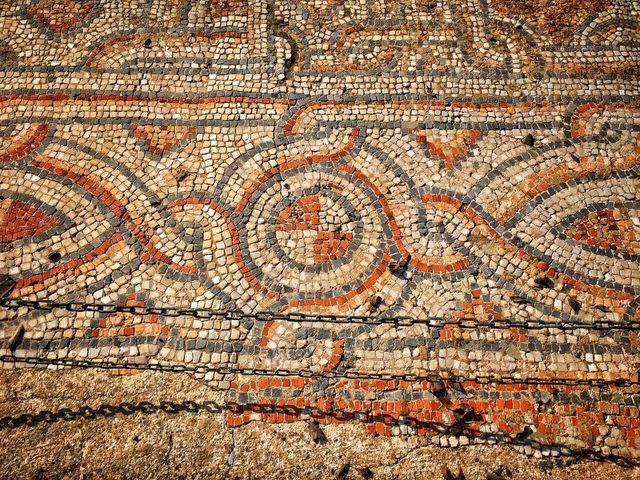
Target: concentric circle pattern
point(322, 239)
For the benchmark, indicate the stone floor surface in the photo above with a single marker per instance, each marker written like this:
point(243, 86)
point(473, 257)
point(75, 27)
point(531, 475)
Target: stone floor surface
point(198, 445)
point(415, 221)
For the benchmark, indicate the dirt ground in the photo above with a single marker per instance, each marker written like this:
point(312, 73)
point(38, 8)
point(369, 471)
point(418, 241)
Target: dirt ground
point(199, 445)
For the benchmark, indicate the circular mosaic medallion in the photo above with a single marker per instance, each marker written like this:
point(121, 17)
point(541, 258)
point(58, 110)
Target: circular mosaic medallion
point(314, 236)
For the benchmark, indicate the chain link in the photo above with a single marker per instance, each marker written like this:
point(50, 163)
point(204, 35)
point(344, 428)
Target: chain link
point(205, 313)
point(308, 412)
point(482, 379)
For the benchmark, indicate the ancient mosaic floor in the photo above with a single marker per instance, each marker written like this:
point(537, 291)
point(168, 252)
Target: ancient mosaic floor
point(445, 161)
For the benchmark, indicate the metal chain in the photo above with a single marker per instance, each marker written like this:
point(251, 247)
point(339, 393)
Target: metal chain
point(483, 378)
point(207, 314)
point(204, 313)
point(307, 412)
